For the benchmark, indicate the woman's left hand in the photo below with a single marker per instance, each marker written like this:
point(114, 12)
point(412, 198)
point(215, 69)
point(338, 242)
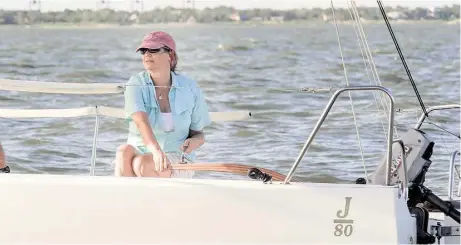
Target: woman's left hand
point(190, 144)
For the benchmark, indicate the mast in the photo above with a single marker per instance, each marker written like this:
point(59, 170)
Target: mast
point(402, 58)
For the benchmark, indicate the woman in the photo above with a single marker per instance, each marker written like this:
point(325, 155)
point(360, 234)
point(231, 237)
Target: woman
point(165, 120)
point(3, 167)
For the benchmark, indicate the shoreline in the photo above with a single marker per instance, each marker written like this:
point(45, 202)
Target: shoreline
point(64, 25)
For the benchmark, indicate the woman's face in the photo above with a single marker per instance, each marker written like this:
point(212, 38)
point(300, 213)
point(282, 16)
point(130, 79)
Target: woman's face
point(156, 60)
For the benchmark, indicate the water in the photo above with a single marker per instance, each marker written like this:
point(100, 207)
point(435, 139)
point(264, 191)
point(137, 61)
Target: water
point(239, 68)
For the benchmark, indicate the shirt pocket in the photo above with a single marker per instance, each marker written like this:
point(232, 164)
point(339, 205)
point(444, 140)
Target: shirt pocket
point(184, 104)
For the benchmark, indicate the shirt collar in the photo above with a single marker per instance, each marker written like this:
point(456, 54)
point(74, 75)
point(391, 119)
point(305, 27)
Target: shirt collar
point(178, 104)
point(174, 81)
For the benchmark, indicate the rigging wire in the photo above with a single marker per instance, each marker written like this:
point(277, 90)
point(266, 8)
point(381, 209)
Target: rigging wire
point(391, 32)
point(362, 47)
point(350, 95)
point(372, 64)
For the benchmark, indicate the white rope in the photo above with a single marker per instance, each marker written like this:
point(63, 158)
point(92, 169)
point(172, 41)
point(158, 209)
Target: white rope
point(104, 111)
point(375, 74)
point(383, 98)
point(365, 43)
point(362, 48)
point(61, 88)
point(366, 48)
point(350, 95)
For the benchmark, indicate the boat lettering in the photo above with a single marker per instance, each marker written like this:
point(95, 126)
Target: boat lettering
point(343, 226)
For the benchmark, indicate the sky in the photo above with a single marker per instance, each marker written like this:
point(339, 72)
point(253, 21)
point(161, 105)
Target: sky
point(54, 5)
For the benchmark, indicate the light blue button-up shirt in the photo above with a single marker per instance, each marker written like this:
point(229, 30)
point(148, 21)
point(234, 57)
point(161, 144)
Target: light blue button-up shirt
point(188, 107)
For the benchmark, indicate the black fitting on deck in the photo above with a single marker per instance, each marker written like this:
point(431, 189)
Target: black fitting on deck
point(255, 173)
point(5, 170)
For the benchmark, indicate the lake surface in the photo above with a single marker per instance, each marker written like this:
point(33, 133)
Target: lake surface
point(252, 68)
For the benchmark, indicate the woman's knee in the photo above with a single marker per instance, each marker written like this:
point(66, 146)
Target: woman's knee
point(139, 163)
point(143, 166)
point(125, 149)
point(123, 162)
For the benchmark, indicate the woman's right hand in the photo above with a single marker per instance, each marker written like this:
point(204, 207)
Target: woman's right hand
point(160, 159)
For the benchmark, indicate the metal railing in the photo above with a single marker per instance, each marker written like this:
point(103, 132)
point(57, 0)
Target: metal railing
point(98, 111)
point(452, 176)
point(324, 115)
point(454, 153)
point(434, 108)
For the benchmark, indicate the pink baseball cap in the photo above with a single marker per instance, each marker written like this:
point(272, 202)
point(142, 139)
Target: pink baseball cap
point(157, 39)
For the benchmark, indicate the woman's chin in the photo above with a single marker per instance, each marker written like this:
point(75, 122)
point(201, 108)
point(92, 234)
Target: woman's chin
point(156, 70)
point(149, 67)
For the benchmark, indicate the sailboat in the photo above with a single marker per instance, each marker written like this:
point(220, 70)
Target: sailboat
point(392, 206)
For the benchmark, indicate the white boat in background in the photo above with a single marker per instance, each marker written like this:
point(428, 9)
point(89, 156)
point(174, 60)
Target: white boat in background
point(391, 207)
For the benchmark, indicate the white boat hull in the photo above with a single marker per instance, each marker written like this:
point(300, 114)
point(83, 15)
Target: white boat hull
point(38, 209)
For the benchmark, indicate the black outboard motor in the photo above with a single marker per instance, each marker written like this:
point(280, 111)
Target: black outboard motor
point(418, 151)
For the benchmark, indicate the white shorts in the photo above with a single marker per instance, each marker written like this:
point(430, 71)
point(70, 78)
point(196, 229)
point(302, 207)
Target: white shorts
point(176, 159)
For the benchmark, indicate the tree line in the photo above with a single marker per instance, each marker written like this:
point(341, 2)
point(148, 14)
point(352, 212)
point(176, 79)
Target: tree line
point(217, 14)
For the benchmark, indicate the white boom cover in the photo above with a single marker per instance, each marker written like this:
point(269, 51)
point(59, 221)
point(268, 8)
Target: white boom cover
point(61, 87)
point(45, 209)
point(104, 111)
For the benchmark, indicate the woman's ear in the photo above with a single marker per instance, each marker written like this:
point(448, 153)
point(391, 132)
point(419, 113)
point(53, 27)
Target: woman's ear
point(172, 57)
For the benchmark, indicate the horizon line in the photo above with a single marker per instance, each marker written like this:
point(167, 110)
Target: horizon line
point(228, 6)
point(131, 5)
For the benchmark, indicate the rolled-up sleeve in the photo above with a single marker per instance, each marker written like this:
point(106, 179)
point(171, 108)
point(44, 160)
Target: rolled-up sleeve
point(200, 114)
point(134, 100)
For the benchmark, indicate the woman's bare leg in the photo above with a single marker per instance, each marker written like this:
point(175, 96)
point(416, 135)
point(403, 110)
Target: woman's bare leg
point(2, 157)
point(143, 166)
point(124, 160)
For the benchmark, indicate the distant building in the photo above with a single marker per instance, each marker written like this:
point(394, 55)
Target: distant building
point(431, 12)
point(235, 17)
point(396, 15)
point(134, 19)
point(7, 19)
point(176, 12)
point(279, 19)
point(191, 20)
